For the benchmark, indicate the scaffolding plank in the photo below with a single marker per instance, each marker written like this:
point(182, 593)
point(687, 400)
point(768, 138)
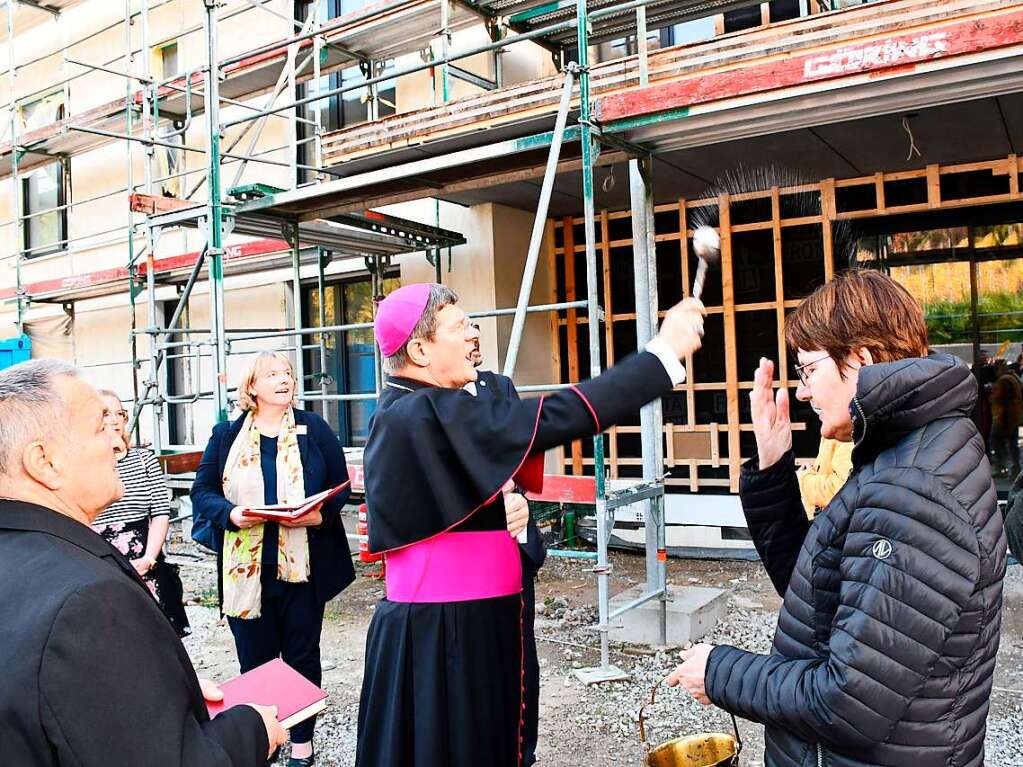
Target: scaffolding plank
point(112, 281)
point(619, 79)
point(363, 233)
point(379, 31)
point(900, 52)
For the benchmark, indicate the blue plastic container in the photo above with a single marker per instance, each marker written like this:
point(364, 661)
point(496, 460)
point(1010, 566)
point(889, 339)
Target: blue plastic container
point(14, 350)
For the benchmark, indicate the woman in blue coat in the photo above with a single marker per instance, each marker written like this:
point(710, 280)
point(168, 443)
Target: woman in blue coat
point(275, 577)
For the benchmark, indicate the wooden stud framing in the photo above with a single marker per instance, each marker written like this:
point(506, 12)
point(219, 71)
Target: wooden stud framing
point(782, 373)
point(933, 186)
point(555, 323)
point(731, 357)
point(573, 328)
point(1010, 167)
point(683, 228)
point(605, 250)
point(829, 211)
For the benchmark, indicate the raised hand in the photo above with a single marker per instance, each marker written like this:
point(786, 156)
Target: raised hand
point(772, 425)
point(682, 327)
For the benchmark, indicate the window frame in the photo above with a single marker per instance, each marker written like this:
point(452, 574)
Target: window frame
point(28, 249)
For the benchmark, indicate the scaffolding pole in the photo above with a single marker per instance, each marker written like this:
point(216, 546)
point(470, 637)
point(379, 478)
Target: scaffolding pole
point(19, 233)
point(651, 492)
point(606, 672)
point(644, 263)
point(214, 211)
point(539, 224)
point(290, 231)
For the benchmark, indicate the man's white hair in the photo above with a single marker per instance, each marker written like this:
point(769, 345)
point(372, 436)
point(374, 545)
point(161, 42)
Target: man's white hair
point(31, 408)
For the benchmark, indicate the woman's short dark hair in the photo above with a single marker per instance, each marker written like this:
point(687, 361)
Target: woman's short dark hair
point(860, 308)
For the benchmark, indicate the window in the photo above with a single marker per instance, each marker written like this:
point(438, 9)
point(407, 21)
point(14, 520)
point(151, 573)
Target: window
point(42, 111)
point(172, 159)
point(348, 357)
point(178, 370)
point(340, 110)
point(169, 60)
point(42, 193)
point(692, 31)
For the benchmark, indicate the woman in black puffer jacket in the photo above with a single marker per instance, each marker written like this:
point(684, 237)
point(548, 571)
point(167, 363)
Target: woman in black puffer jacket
point(887, 638)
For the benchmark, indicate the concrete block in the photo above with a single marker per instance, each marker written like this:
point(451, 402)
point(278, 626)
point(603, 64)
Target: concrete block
point(598, 675)
point(692, 612)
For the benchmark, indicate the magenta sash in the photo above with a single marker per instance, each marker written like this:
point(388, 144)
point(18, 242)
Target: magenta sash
point(455, 567)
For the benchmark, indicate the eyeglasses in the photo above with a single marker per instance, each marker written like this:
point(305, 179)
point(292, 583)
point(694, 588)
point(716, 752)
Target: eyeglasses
point(118, 414)
point(804, 376)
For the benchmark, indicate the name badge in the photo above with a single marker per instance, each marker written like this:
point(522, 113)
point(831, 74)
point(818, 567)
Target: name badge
point(301, 429)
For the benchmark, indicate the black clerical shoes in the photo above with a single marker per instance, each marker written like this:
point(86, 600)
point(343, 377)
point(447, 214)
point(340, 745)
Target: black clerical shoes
point(307, 761)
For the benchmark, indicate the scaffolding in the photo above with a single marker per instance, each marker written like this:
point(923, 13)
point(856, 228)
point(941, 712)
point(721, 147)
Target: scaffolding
point(307, 223)
point(264, 211)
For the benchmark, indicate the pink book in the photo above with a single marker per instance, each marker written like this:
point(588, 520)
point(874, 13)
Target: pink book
point(273, 684)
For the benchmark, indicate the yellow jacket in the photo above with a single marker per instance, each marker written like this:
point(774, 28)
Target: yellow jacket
point(819, 484)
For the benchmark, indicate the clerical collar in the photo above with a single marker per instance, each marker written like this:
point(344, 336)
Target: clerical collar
point(406, 384)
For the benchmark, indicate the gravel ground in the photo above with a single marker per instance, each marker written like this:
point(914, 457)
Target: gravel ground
point(598, 721)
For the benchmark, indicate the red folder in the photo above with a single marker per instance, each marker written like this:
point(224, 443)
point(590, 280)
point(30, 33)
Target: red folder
point(294, 510)
point(273, 684)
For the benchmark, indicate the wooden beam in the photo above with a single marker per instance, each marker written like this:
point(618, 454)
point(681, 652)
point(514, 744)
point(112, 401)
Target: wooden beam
point(1013, 175)
point(933, 186)
point(573, 329)
point(828, 215)
point(779, 287)
point(683, 227)
point(555, 325)
point(731, 357)
point(154, 205)
point(605, 251)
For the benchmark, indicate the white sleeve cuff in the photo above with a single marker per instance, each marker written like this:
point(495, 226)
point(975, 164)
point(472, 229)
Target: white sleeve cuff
point(676, 370)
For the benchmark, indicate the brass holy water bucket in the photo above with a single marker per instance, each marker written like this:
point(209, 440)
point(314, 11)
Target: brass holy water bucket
point(704, 749)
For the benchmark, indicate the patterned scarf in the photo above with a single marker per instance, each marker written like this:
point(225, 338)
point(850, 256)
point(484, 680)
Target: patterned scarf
point(243, 486)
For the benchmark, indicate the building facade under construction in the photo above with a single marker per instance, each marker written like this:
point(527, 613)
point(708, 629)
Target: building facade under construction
point(188, 183)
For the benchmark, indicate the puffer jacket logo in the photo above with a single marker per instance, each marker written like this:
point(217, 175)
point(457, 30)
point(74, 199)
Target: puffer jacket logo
point(882, 548)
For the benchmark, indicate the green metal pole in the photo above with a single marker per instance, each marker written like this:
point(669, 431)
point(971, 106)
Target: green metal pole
point(593, 326)
point(445, 47)
point(215, 213)
point(321, 265)
point(19, 229)
point(132, 267)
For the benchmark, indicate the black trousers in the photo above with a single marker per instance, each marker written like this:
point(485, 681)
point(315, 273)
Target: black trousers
point(531, 667)
point(288, 628)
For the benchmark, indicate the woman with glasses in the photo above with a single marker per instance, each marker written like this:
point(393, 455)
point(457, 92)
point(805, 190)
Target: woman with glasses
point(137, 524)
point(887, 637)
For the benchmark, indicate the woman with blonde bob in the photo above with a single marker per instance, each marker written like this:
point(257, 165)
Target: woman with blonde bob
point(887, 637)
point(275, 577)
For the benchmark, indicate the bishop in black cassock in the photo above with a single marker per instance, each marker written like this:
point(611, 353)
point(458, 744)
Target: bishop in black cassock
point(443, 683)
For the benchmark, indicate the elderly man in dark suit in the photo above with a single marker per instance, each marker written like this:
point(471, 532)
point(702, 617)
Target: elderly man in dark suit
point(94, 671)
